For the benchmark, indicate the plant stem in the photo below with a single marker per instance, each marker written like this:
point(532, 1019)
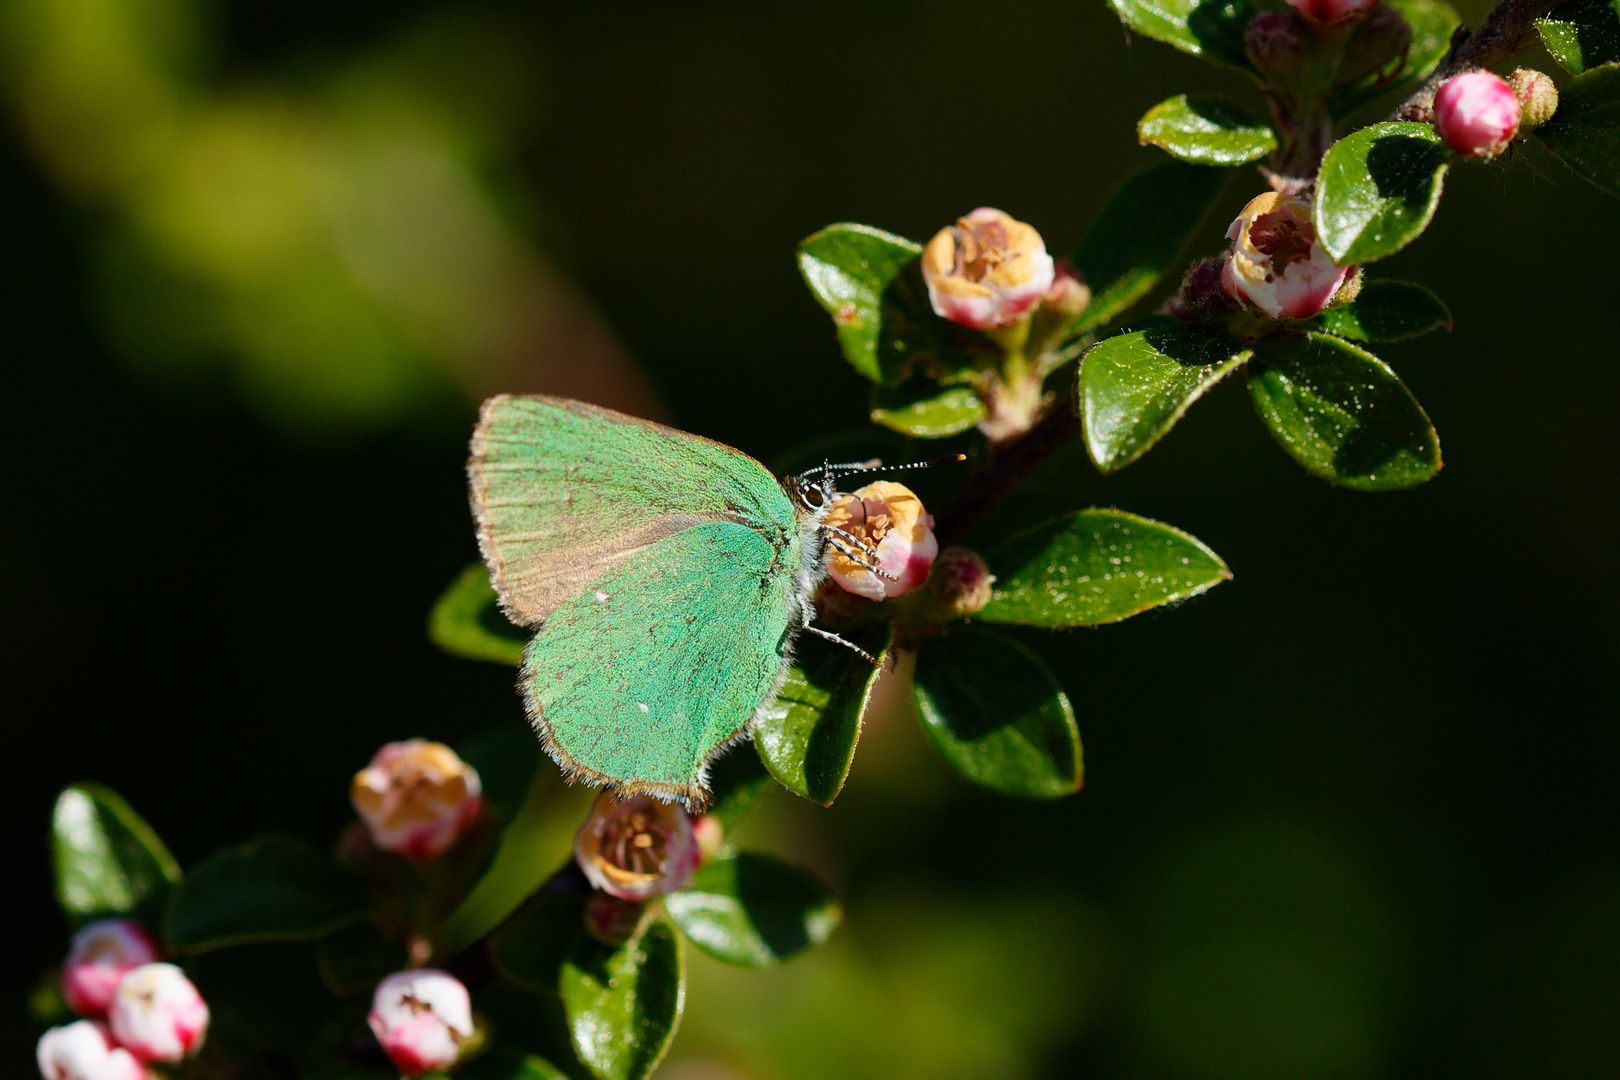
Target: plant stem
point(1009, 467)
point(1507, 31)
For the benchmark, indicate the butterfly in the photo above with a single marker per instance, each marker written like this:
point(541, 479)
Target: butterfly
point(667, 576)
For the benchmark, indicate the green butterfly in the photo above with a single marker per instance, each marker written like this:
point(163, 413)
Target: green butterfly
point(668, 576)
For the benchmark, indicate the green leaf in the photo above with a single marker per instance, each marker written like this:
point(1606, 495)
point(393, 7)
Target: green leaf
point(275, 888)
point(107, 860)
point(1133, 388)
point(858, 274)
point(923, 409)
point(806, 738)
point(1209, 28)
point(1096, 566)
point(623, 1004)
point(1432, 22)
point(529, 948)
point(736, 780)
point(1585, 131)
point(1388, 311)
point(754, 911)
point(505, 759)
point(1342, 413)
point(356, 958)
point(1378, 189)
point(1139, 234)
point(1582, 34)
point(508, 1063)
point(1206, 129)
point(467, 621)
point(997, 715)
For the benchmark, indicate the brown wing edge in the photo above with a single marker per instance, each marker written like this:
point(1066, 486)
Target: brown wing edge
point(694, 795)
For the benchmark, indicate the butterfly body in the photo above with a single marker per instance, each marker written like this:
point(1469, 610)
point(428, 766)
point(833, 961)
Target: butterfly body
point(667, 575)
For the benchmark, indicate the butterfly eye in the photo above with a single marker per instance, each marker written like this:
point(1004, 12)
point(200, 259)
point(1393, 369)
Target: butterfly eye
point(814, 498)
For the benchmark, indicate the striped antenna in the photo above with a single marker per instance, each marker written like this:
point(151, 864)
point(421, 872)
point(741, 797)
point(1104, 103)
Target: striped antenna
point(833, 472)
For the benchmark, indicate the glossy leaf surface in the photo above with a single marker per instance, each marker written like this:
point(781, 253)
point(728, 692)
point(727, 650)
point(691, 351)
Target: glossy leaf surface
point(736, 780)
point(806, 738)
point(1378, 190)
point(1585, 132)
point(530, 946)
point(1582, 34)
point(753, 910)
point(1342, 413)
point(857, 274)
point(996, 714)
point(1202, 27)
point(1134, 387)
point(1140, 233)
point(107, 860)
point(1206, 129)
point(1388, 311)
point(467, 621)
point(1432, 23)
point(923, 409)
point(1096, 566)
point(623, 1004)
point(275, 888)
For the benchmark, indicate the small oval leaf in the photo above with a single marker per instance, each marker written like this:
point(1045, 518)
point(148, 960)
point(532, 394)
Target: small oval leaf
point(923, 409)
point(1388, 311)
point(806, 737)
point(857, 274)
point(1212, 28)
point(467, 621)
point(1378, 190)
point(753, 910)
point(275, 888)
point(107, 860)
point(1585, 131)
point(996, 714)
point(1140, 233)
point(1342, 413)
point(1096, 566)
point(624, 1004)
point(1133, 388)
point(1582, 34)
point(1206, 129)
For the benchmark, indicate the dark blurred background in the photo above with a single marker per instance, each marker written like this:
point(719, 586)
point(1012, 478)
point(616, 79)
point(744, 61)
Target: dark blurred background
point(1350, 815)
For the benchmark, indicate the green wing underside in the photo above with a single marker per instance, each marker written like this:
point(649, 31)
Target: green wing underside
point(642, 679)
point(565, 492)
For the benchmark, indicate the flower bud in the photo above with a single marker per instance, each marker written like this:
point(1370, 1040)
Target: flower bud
point(1203, 294)
point(157, 1014)
point(85, 1050)
point(1538, 97)
point(710, 834)
point(417, 798)
point(987, 270)
point(1477, 114)
point(100, 953)
point(1276, 264)
point(1274, 46)
point(883, 523)
point(1381, 40)
point(421, 1019)
point(961, 583)
point(1332, 12)
point(610, 920)
point(637, 848)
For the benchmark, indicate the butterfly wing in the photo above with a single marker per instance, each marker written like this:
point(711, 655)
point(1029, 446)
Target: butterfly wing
point(643, 679)
point(565, 492)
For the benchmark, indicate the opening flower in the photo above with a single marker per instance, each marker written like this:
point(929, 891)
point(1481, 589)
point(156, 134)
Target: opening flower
point(987, 270)
point(157, 1014)
point(888, 519)
point(85, 1050)
point(99, 955)
point(1276, 264)
point(1477, 113)
point(636, 848)
point(417, 798)
point(421, 1019)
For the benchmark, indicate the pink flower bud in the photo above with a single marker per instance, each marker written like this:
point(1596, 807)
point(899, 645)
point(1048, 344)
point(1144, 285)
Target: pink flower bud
point(157, 1014)
point(1274, 46)
point(887, 520)
point(417, 798)
point(421, 1019)
point(85, 1050)
point(1332, 12)
point(987, 270)
point(636, 848)
point(1477, 114)
point(98, 957)
point(610, 920)
point(1276, 264)
point(962, 582)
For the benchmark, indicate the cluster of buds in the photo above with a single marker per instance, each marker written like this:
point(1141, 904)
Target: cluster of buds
point(1478, 114)
point(138, 1010)
point(417, 798)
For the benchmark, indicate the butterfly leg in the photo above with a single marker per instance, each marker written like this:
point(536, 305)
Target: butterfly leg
point(830, 636)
